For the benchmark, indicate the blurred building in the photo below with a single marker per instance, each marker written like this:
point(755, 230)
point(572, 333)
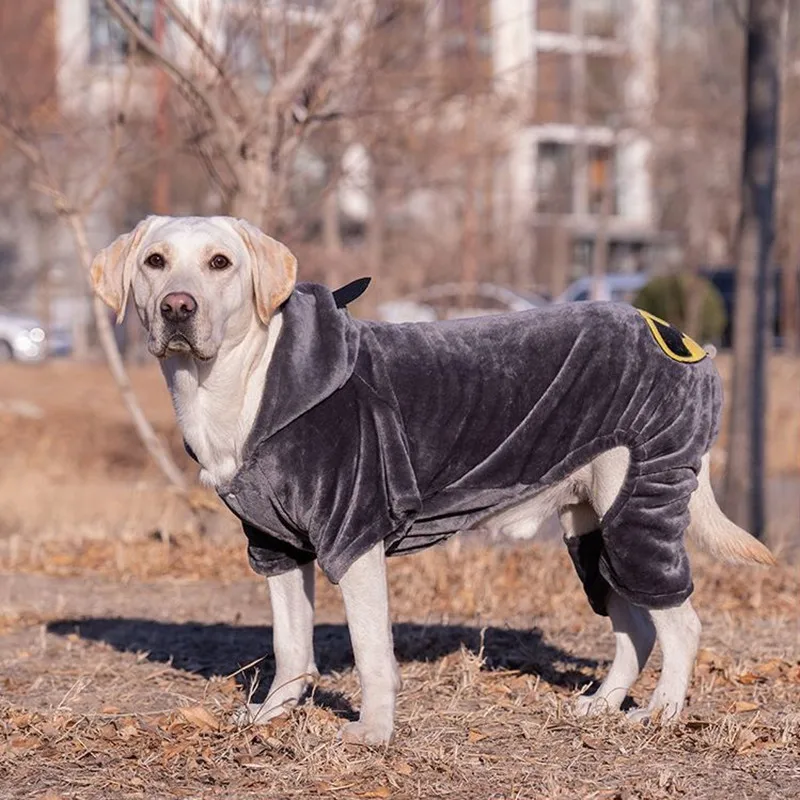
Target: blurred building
point(586, 73)
point(575, 82)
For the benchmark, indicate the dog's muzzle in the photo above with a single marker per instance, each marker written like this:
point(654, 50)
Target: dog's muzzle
point(178, 313)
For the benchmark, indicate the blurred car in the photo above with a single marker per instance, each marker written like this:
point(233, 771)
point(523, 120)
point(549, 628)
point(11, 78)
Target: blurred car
point(444, 301)
point(724, 278)
point(23, 338)
point(620, 287)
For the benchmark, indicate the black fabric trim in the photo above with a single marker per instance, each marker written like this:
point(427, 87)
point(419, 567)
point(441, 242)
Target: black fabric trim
point(585, 552)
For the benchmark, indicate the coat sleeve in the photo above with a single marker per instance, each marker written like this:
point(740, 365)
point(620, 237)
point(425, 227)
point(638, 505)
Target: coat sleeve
point(360, 488)
point(269, 555)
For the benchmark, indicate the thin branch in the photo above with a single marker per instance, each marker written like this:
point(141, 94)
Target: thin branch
point(106, 172)
point(26, 149)
point(290, 84)
point(207, 50)
point(186, 82)
point(175, 71)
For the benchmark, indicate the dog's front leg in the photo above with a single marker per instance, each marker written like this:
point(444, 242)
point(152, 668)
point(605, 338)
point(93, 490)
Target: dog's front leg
point(292, 599)
point(366, 601)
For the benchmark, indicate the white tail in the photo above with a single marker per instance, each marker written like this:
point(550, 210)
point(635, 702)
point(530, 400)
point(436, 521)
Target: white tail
point(715, 533)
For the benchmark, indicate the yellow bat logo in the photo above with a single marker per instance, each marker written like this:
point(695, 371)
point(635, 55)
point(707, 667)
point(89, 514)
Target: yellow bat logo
point(677, 345)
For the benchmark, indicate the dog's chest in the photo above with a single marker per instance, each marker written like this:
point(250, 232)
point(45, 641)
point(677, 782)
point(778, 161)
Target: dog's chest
point(215, 431)
point(213, 436)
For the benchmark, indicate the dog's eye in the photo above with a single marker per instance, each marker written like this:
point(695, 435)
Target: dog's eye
point(220, 262)
point(155, 260)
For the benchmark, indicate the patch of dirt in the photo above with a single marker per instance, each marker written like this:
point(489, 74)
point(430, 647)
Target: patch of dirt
point(119, 680)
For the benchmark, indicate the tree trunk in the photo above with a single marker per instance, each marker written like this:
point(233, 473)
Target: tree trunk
point(469, 231)
point(600, 249)
point(254, 184)
point(744, 479)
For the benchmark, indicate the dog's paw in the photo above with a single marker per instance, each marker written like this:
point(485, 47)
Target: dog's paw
point(256, 714)
point(366, 733)
point(592, 705)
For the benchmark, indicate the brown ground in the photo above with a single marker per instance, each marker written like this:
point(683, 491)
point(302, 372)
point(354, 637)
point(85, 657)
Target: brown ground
point(122, 636)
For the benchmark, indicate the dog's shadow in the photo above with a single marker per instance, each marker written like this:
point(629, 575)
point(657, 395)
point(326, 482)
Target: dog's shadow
point(221, 650)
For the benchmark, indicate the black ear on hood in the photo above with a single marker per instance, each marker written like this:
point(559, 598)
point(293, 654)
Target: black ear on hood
point(351, 291)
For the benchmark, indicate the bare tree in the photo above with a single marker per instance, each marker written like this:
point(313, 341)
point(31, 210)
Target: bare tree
point(246, 139)
point(744, 480)
point(247, 135)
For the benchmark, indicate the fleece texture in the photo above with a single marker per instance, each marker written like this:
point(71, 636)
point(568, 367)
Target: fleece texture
point(406, 434)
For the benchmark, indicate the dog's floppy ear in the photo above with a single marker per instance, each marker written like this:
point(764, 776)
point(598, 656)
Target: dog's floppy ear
point(274, 269)
point(113, 268)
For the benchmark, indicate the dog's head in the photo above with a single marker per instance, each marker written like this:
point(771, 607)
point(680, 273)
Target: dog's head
point(195, 281)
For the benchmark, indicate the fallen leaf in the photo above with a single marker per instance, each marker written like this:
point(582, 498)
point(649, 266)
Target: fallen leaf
point(129, 729)
point(705, 656)
point(24, 743)
point(108, 731)
point(476, 736)
point(592, 742)
point(744, 740)
point(749, 678)
point(768, 745)
point(772, 667)
point(741, 706)
point(381, 791)
point(109, 710)
point(170, 751)
point(200, 717)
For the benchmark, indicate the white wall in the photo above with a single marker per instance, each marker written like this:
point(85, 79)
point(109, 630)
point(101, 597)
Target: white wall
point(512, 45)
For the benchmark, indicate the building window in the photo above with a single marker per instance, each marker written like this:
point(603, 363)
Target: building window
point(554, 178)
point(602, 179)
point(466, 24)
point(600, 18)
point(553, 87)
point(109, 42)
point(457, 18)
point(603, 97)
point(554, 16)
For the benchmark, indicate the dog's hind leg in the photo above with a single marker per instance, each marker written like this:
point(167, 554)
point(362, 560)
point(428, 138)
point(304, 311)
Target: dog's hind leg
point(678, 631)
point(292, 599)
point(366, 601)
point(635, 635)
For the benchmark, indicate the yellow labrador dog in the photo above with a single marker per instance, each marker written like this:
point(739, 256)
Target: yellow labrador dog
point(209, 292)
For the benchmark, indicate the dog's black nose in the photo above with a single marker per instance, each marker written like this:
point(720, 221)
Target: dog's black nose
point(178, 307)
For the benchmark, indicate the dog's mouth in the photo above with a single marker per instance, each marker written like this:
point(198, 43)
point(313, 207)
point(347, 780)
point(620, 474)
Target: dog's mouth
point(179, 344)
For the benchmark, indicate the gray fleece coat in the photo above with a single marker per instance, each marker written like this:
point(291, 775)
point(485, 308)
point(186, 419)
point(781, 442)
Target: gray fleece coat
point(406, 434)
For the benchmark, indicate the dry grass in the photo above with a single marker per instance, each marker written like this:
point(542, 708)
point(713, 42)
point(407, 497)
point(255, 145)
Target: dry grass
point(125, 690)
point(123, 635)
